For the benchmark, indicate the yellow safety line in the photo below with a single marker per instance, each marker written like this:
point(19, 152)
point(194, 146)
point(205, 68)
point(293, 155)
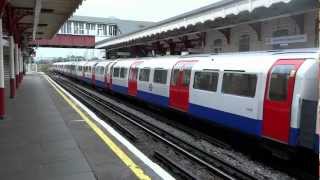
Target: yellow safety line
point(116, 149)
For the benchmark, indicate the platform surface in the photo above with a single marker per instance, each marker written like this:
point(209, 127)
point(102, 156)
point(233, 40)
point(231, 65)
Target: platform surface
point(42, 137)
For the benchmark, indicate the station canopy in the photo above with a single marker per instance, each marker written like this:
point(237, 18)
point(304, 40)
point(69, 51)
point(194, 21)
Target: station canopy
point(223, 14)
point(41, 19)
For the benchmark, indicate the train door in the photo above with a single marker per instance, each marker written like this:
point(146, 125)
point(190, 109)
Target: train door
point(105, 75)
point(179, 85)
point(84, 68)
point(109, 75)
point(132, 79)
point(278, 100)
point(93, 75)
point(144, 81)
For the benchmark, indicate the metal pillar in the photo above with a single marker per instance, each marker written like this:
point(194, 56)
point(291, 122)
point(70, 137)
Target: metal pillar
point(16, 63)
point(2, 97)
point(12, 73)
point(20, 65)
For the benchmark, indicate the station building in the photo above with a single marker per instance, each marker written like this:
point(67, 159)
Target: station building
point(83, 32)
point(101, 28)
point(226, 26)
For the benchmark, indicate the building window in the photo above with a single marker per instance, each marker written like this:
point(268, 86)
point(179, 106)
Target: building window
point(87, 28)
point(217, 46)
point(239, 84)
point(110, 30)
point(76, 27)
point(81, 28)
point(68, 27)
point(105, 33)
point(279, 33)
point(207, 81)
point(113, 30)
point(144, 74)
point(93, 26)
point(244, 43)
point(160, 76)
point(63, 29)
point(100, 30)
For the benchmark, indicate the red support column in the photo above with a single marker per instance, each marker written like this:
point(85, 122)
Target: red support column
point(12, 73)
point(20, 65)
point(2, 97)
point(16, 63)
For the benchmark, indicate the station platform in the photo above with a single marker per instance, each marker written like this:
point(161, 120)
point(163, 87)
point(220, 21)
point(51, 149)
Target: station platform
point(44, 137)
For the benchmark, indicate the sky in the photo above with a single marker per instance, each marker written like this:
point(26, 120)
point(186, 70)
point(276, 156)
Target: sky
point(143, 10)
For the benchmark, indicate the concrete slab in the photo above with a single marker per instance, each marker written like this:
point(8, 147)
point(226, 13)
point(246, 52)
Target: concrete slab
point(42, 137)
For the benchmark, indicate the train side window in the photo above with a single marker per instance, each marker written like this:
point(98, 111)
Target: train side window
point(160, 76)
point(207, 80)
point(278, 87)
point(123, 72)
point(144, 74)
point(175, 77)
point(239, 84)
point(116, 72)
point(101, 70)
point(97, 70)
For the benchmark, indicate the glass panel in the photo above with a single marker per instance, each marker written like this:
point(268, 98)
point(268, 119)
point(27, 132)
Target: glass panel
point(144, 74)
point(123, 72)
point(133, 74)
point(278, 88)
point(160, 76)
point(116, 72)
point(239, 84)
point(207, 81)
point(175, 77)
point(186, 77)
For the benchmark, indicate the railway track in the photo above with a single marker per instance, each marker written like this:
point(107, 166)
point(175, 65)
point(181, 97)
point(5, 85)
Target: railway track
point(213, 164)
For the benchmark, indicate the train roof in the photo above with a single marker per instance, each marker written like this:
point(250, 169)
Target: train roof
point(91, 63)
point(167, 62)
point(103, 63)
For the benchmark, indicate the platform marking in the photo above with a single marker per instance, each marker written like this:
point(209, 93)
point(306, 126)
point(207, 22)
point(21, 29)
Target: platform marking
point(117, 150)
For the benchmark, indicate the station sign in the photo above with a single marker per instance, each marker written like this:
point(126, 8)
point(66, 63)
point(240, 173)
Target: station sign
point(287, 39)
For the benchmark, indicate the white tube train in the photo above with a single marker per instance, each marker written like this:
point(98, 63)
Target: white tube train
point(270, 95)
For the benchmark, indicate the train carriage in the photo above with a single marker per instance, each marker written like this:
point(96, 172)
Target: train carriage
point(229, 90)
point(109, 71)
point(100, 74)
point(270, 95)
point(154, 79)
point(120, 74)
point(80, 70)
point(89, 72)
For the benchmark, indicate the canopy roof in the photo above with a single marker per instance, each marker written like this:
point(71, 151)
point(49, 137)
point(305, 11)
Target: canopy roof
point(215, 12)
point(42, 18)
